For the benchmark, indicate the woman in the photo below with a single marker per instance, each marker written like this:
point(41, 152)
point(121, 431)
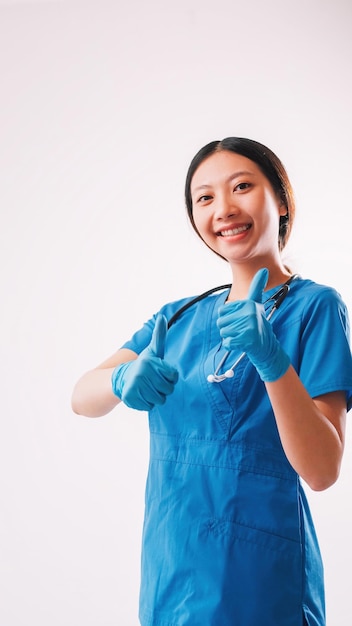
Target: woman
point(228, 537)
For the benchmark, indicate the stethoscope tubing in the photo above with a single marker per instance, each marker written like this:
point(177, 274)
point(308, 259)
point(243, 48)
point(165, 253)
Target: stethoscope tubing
point(278, 298)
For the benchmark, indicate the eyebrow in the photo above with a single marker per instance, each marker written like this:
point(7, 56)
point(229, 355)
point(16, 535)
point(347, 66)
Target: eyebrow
point(228, 180)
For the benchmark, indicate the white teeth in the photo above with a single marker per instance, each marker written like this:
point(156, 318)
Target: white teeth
point(234, 231)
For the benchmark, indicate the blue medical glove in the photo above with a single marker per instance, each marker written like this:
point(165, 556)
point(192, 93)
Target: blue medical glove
point(147, 380)
point(243, 326)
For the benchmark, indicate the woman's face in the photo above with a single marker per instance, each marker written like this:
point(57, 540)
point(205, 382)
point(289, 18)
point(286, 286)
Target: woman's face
point(235, 208)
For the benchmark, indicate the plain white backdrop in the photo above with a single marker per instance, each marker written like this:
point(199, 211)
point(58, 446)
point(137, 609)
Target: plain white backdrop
point(103, 104)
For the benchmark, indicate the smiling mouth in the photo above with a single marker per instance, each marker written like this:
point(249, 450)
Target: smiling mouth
point(234, 231)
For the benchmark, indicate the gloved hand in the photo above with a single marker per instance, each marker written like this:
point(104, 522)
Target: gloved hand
point(147, 380)
point(243, 326)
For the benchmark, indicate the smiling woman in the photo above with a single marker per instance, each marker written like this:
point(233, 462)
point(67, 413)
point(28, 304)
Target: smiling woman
point(235, 209)
point(257, 156)
point(226, 517)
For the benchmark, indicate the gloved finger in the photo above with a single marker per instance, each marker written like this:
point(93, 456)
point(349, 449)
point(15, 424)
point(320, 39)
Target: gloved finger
point(157, 344)
point(233, 311)
point(167, 375)
point(258, 285)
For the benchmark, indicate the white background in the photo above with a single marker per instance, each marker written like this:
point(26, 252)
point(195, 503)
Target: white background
point(103, 105)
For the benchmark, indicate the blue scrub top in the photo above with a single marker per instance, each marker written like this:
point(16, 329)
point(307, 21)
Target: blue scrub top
point(228, 537)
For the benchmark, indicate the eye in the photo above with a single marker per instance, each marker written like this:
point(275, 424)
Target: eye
point(202, 199)
point(242, 186)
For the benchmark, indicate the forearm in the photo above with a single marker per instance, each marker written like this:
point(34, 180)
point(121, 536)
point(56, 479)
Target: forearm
point(313, 443)
point(92, 395)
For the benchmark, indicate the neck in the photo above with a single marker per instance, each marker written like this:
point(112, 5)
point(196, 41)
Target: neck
point(243, 276)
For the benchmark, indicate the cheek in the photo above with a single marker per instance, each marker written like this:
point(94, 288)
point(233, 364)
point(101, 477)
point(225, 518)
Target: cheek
point(198, 220)
point(202, 228)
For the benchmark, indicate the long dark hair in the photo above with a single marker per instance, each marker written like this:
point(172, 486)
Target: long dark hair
point(269, 164)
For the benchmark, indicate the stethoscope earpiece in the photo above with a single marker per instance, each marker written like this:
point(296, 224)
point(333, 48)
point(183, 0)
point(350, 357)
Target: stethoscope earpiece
point(218, 378)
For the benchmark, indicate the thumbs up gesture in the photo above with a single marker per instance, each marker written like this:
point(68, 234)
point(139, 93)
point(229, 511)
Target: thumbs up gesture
point(243, 326)
point(147, 380)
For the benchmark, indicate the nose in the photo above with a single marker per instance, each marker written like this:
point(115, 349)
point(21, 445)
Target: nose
point(225, 208)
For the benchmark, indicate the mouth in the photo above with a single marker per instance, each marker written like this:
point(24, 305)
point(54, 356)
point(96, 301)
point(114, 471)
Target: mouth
point(231, 232)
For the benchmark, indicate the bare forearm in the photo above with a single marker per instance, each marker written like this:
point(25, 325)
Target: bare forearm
point(93, 395)
point(311, 432)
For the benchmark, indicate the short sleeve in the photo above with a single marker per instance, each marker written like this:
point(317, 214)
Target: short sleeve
point(142, 337)
point(325, 353)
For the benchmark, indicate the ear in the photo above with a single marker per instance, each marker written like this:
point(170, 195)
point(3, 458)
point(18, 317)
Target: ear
point(282, 206)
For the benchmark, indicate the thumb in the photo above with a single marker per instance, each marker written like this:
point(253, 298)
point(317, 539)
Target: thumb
point(258, 285)
point(157, 343)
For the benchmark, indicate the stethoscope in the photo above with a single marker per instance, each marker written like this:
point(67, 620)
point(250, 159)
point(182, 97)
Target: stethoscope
point(277, 298)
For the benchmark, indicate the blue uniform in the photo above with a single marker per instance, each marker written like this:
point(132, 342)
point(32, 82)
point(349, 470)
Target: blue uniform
point(228, 538)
